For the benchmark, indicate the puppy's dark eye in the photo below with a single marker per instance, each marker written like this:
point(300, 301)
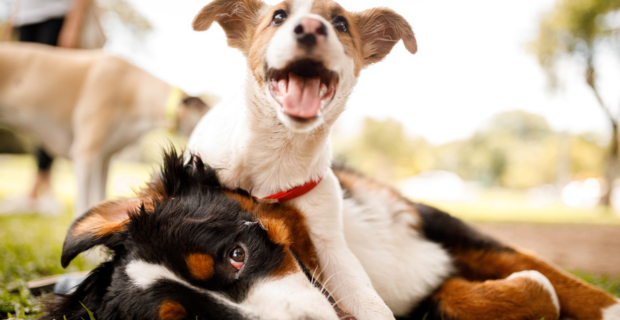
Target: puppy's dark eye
point(237, 258)
point(279, 17)
point(341, 24)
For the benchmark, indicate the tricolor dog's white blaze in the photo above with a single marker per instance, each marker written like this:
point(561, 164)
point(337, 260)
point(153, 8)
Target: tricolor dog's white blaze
point(543, 281)
point(290, 297)
point(144, 275)
point(613, 312)
point(274, 298)
point(403, 266)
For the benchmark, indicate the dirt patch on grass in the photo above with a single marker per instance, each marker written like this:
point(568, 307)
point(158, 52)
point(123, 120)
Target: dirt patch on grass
point(588, 248)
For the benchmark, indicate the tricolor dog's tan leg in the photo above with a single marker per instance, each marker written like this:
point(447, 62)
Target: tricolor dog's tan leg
point(523, 295)
point(478, 258)
point(578, 299)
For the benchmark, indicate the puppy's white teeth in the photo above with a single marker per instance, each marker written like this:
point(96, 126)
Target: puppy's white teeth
point(323, 90)
point(282, 87)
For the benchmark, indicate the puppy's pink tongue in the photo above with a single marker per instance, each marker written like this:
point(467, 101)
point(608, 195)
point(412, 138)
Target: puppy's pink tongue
point(302, 99)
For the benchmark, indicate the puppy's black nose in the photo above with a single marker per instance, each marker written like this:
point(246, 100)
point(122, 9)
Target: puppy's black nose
point(307, 40)
point(309, 32)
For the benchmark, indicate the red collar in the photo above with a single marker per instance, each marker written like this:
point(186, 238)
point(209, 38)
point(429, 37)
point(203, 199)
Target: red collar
point(294, 192)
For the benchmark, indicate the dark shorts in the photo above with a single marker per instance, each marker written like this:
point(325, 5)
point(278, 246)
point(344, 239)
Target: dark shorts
point(43, 32)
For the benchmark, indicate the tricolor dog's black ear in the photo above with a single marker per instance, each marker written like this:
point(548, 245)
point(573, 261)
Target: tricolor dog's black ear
point(380, 29)
point(238, 18)
point(104, 224)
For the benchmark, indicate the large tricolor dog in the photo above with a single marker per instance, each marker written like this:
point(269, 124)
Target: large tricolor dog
point(189, 248)
point(304, 58)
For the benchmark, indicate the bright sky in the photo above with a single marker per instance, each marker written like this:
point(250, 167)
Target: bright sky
point(472, 63)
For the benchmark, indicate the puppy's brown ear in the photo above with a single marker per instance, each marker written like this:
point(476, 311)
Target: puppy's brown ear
point(238, 18)
point(103, 224)
point(380, 29)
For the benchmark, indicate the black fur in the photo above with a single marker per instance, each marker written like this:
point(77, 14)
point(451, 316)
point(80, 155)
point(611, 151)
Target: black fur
point(192, 216)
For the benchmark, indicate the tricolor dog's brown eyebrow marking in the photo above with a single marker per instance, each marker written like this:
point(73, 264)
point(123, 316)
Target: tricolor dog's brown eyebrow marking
point(171, 310)
point(200, 265)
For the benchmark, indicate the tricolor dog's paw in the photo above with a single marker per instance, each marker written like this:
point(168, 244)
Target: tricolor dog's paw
point(543, 282)
point(613, 312)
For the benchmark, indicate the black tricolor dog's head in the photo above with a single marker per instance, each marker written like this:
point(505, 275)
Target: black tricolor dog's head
point(187, 248)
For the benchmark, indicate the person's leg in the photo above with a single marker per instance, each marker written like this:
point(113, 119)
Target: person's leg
point(42, 181)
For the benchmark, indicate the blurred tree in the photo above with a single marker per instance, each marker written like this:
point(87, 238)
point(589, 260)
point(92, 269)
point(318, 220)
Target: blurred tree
point(577, 29)
point(384, 151)
point(514, 149)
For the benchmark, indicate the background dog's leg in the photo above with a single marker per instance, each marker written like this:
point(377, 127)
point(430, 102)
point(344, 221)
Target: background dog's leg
point(479, 257)
point(523, 295)
point(83, 177)
point(97, 192)
point(91, 174)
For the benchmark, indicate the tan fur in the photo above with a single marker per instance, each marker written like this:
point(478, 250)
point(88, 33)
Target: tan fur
point(200, 265)
point(277, 231)
point(233, 16)
point(578, 299)
point(171, 310)
point(83, 105)
point(509, 299)
point(106, 218)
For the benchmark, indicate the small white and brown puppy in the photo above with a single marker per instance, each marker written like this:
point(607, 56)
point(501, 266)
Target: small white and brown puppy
point(304, 58)
point(86, 105)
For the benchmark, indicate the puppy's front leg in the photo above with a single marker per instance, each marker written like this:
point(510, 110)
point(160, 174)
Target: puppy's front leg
point(342, 273)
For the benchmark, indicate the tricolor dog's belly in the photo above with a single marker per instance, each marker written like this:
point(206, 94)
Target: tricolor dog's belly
point(384, 232)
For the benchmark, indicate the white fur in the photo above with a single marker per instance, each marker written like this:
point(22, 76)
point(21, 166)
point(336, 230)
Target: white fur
point(613, 312)
point(542, 280)
point(404, 266)
point(144, 274)
point(262, 150)
point(274, 298)
point(290, 297)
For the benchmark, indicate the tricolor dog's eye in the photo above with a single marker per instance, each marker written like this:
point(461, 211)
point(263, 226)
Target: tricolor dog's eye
point(279, 17)
point(341, 24)
point(237, 257)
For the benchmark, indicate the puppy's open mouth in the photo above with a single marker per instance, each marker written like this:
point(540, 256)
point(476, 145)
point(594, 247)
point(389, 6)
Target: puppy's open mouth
point(303, 88)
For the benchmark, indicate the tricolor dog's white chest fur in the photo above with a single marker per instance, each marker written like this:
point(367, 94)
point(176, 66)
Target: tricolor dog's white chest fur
point(304, 58)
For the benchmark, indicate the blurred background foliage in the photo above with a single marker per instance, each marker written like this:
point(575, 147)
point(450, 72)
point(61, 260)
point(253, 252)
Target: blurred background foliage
point(580, 30)
point(514, 149)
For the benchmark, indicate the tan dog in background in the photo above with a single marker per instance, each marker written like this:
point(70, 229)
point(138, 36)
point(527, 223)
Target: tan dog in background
point(87, 105)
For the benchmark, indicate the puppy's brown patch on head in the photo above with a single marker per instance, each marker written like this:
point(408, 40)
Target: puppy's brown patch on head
point(278, 231)
point(200, 265)
point(171, 310)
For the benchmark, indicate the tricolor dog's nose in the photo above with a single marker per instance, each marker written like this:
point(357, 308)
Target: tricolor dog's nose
point(309, 31)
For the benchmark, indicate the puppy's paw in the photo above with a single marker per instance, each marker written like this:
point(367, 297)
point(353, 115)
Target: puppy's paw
point(372, 310)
